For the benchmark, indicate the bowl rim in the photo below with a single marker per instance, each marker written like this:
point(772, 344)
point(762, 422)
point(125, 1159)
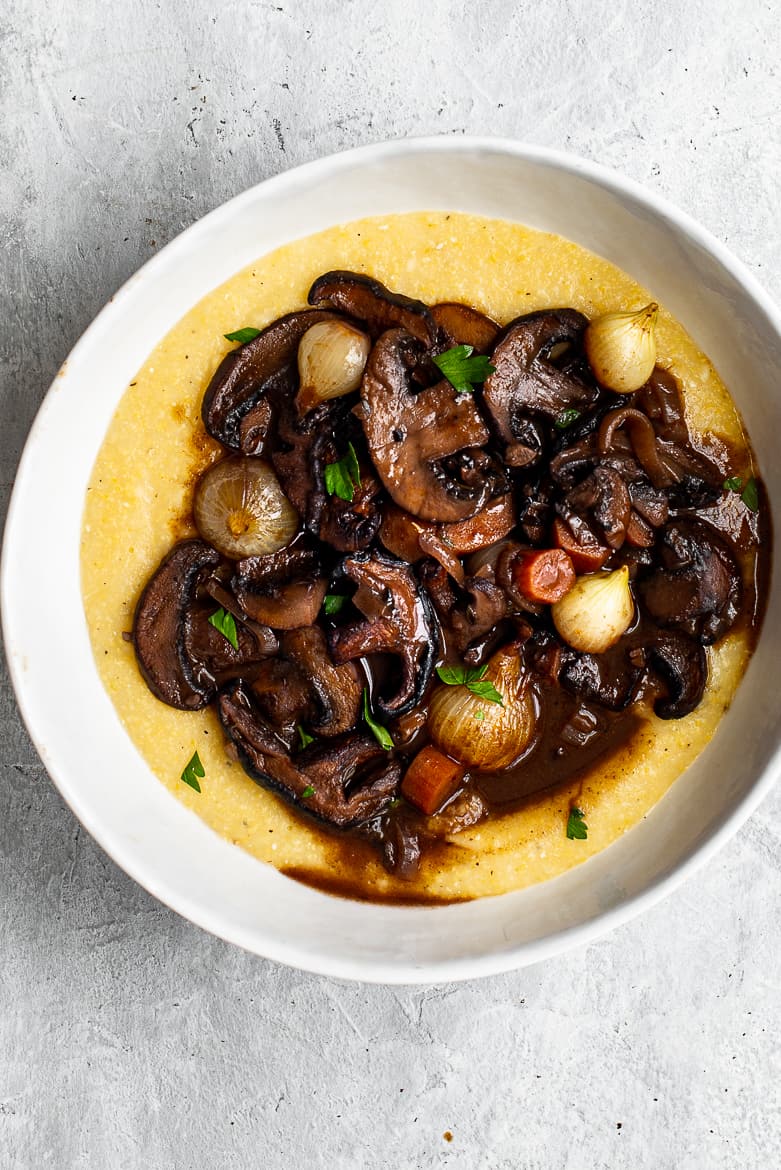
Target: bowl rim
point(376, 970)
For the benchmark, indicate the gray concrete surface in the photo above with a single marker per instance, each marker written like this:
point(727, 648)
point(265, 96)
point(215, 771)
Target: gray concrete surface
point(129, 1038)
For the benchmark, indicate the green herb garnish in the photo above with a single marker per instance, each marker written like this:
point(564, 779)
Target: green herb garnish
point(344, 476)
point(462, 370)
point(333, 602)
point(243, 335)
point(473, 678)
point(479, 714)
point(750, 494)
point(308, 791)
point(577, 829)
point(193, 770)
point(380, 733)
point(566, 419)
point(226, 624)
point(304, 738)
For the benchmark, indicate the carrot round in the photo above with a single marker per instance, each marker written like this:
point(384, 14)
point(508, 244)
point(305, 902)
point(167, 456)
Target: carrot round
point(543, 576)
point(430, 780)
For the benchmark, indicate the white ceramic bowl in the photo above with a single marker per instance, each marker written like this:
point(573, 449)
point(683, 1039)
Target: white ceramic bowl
point(72, 722)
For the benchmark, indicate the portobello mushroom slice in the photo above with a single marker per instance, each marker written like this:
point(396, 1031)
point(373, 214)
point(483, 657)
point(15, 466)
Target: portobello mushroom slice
point(306, 446)
point(284, 590)
point(682, 665)
point(610, 679)
point(368, 300)
point(605, 496)
point(399, 621)
point(527, 379)
point(248, 374)
point(159, 627)
point(335, 691)
point(425, 446)
point(344, 782)
point(698, 587)
point(411, 539)
point(463, 325)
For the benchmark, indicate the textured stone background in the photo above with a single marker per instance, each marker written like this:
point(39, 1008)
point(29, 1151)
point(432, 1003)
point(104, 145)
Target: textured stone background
point(130, 1039)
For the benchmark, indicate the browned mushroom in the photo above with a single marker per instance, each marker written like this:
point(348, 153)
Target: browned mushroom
point(346, 781)
point(284, 590)
point(698, 586)
point(182, 656)
point(158, 626)
point(368, 300)
point(605, 496)
point(399, 621)
point(410, 538)
point(335, 690)
point(247, 375)
point(682, 665)
point(424, 445)
point(463, 325)
point(527, 379)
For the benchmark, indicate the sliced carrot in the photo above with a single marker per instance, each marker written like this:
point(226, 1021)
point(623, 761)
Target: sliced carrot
point(587, 556)
point(430, 780)
point(544, 576)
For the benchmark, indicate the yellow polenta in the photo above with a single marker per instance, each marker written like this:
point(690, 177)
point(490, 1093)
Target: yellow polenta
point(139, 500)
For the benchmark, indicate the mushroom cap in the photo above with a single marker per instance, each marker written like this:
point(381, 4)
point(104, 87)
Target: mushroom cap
point(425, 445)
point(349, 779)
point(245, 377)
point(399, 620)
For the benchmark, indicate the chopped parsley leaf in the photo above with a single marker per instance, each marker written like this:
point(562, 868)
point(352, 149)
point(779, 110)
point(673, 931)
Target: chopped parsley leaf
point(243, 335)
point(226, 624)
point(462, 370)
point(380, 733)
point(577, 829)
point(192, 771)
point(333, 603)
point(566, 419)
point(344, 476)
point(473, 678)
point(304, 738)
point(308, 791)
point(750, 494)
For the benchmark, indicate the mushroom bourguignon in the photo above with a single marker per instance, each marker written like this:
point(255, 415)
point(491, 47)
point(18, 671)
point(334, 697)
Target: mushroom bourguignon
point(450, 564)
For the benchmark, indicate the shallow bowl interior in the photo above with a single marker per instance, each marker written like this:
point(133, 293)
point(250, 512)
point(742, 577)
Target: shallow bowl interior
point(73, 723)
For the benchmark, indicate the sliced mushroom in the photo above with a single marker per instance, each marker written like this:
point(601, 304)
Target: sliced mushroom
point(335, 690)
point(410, 538)
point(345, 781)
point(463, 325)
point(682, 664)
point(609, 679)
point(424, 445)
point(284, 590)
point(306, 447)
point(605, 496)
point(698, 586)
point(158, 627)
point(691, 480)
point(368, 300)
point(526, 379)
point(467, 613)
point(351, 525)
point(399, 621)
point(246, 375)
